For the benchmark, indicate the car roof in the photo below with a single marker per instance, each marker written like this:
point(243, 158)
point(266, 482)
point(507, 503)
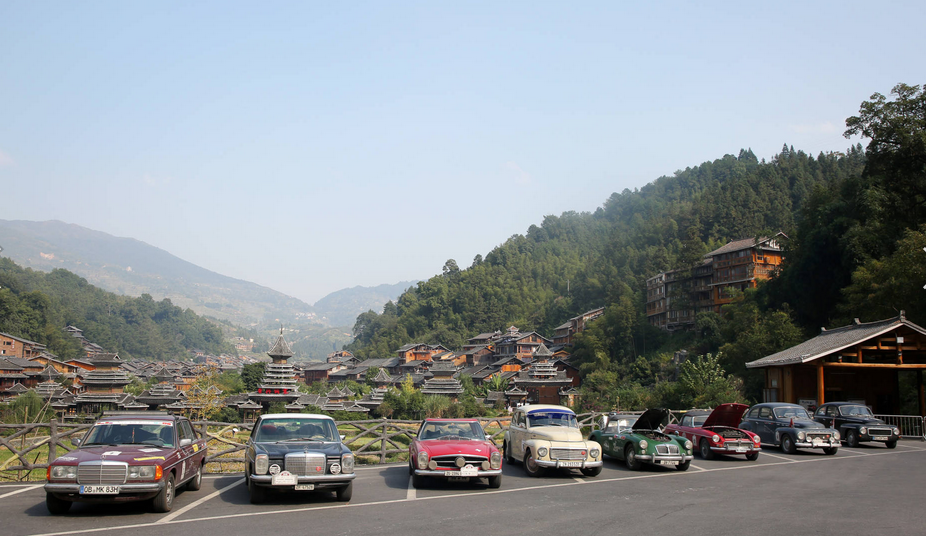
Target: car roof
point(295, 416)
point(697, 412)
point(438, 419)
point(842, 404)
point(140, 416)
point(545, 407)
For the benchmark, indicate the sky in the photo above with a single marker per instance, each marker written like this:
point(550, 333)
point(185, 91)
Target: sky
point(315, 146)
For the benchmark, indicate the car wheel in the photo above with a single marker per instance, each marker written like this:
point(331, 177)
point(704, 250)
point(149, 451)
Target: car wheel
point(55, 505)
point(164, 500)
point(829, 451)
point(417, 481)
point(752, 456)
point(591, 471)
point(531, 467)
point(344, 494)
point(852, 438)
point(787, 444)
point(891, 444)
point(197, 481)
point(705, 449)
point(257, 493)
point(683, 466)
point(630, 457)
point(495, 482)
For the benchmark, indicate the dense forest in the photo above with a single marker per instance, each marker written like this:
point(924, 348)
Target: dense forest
point(855, 227)
point(37, 306)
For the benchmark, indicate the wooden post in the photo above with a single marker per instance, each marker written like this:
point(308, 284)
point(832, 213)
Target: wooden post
point(52, 441)
point(820, 390)
point(382, 443)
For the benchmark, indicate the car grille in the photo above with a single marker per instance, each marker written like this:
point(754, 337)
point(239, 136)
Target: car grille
point(451, 461)
point(738, 444)
point(667, 448)
point(102, 472)
point(819, 437)
point(567, 454)
point(305, 464)
point(880, 432)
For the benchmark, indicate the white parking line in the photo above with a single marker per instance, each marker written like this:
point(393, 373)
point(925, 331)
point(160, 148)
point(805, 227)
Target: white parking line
point(698, 468)
point(677, 474)
point(766, 453)
point(173, 515)
point(27, 488)
point(411, 493)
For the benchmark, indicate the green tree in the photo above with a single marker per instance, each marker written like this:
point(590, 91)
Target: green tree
point(252, 374)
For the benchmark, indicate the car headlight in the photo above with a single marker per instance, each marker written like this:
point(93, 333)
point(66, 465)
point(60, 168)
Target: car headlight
point(595, 453)
point(836, 435)
point(347, 463)
point(688, 445)
point(715, 438)
point(64, 471)
point(756, 439)
point(896, 431)
point(643, 444)
point(863, 430)
point(142, 472)
point(800, 436)
point(261, 464)
point(422, 460)
point(495, 460)
point(542, 452)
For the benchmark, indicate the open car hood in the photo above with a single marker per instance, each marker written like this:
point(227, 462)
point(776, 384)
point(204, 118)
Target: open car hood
point(651, 419)
point(726, 415)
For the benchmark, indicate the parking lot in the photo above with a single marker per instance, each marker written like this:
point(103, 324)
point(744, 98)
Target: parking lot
point(865, 490)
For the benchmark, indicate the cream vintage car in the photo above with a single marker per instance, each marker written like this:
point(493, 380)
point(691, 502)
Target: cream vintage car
point(544, 436)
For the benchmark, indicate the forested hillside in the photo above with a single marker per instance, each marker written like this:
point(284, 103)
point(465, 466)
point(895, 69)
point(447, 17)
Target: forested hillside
point(37, 306)
point(856, 228)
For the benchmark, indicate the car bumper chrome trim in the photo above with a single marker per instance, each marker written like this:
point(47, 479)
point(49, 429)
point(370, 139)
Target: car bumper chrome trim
point(267, 480)
point(805, 445)
point(552, 463)
point(124, 489)
point(480, 474)
point(726, 450)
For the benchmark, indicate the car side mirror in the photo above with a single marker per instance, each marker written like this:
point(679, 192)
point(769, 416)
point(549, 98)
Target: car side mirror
point(76, 441)
point(342, 436)
point(186, 442)
point(603, 424)
point(488, 437)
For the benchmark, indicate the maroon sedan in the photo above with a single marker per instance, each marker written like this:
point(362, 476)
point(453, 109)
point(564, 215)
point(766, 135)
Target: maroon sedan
point(456, 450)
point(718, 432)
point(128, 457)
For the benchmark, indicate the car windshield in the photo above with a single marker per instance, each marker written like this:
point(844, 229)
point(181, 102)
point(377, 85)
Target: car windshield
point(155, 433)
point(697, 421)
point(856, 411)
point(620, 423)
point(295, 429)
point(450, 430)
point(552, 418)
point(791, 412)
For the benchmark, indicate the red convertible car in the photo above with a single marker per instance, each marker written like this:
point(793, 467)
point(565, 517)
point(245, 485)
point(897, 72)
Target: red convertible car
point(456, 450)
point(718, 432)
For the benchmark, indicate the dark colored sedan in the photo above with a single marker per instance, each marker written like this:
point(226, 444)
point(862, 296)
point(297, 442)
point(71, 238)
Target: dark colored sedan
point(790, 427)
point(857, 424)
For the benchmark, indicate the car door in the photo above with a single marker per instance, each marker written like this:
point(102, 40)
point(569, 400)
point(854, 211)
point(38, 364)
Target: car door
point(186, 447)
point(516, 435)
point(766, 425)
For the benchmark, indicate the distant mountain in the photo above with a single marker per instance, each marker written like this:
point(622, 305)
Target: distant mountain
point(131, 267)
point(342, 307)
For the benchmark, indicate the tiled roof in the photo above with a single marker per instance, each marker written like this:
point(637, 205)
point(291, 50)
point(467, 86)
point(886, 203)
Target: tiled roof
point(831, 341)
point(743, 243)
point(281, 348)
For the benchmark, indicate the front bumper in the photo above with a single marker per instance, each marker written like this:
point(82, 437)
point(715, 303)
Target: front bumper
point(320, 481)
point(806, 445)
point(569, 464)
point(733, 450)
point(481, 473)
point(881, 438)
point(70, 491)
point(659, 458)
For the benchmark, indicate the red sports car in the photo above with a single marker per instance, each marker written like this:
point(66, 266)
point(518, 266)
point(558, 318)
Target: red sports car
point(457, 450)
point(718, 432)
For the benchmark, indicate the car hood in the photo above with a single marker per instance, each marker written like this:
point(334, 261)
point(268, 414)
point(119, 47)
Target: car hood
point(449, 447)
point(726, 415)
point(651, 419)
point(132, 454)
point(556, 433)
point(806, 424)
point(863, 420)
point(276, 450)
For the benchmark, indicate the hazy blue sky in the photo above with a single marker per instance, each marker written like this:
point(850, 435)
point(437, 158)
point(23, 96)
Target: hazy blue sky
point(310, 147)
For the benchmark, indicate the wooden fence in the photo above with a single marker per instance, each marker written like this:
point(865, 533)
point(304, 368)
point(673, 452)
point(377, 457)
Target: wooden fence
point(26, 448)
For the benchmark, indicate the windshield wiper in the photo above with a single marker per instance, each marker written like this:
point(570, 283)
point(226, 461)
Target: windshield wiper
point(300, 439)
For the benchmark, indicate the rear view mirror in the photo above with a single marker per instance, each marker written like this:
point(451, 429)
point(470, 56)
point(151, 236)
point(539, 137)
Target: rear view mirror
point(603, 424)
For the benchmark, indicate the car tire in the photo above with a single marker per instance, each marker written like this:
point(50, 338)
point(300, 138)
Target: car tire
point(164, 500)
point(257, 493)
point(892, 444)
point(591, 471)
point(630, 458)
point(752, 456)
point(852, 439)
point(344, 494)
point(705, 448)
point(418, 481)
point(530, 465)
point(196, 482)
point(56, 506)
point(829, 451)
point(787, 444)
point(683, 466)
point(495, 482)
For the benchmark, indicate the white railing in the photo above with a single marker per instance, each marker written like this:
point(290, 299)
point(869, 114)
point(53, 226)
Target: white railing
point(911, 426)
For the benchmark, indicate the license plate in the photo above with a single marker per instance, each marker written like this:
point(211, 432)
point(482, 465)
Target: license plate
point(742, 449)
point(469, 470)
point(569, 464)
point(284, 479)
point(99, 490)
point(305, 487)
point(668, 462)
point(880, 438)
point(819, 443)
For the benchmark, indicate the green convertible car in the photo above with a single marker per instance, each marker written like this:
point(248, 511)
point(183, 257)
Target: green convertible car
point(638, 440)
